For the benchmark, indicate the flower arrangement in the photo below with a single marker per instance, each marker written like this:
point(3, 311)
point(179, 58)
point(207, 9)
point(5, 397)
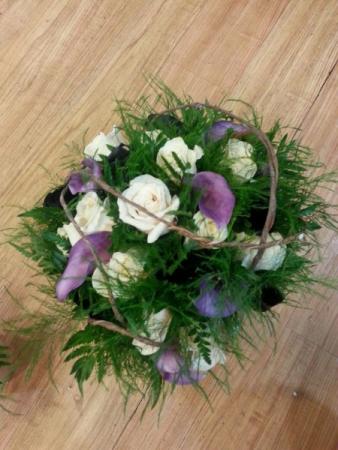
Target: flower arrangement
point(172, 242)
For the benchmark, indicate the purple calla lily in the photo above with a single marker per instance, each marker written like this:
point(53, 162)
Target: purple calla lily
point(171, 366)
point(80, 182)
point(217, 201)
point(210, 303)
point(220, 128)
point(81, 262)
point(169, 361)
point(181, 378)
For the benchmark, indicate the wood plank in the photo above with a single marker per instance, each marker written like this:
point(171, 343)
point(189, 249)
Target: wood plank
point(61, 64)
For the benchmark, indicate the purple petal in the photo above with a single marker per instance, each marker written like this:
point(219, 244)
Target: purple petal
point(210, 303)
point(81, 262)
point(217, 201)
point(171, 366)
point(80, 181)
point(169, 361)
point(181, 378)
point(220, 128)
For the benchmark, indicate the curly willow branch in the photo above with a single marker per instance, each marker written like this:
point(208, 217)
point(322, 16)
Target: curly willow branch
point(201, 241)
point(118, 329)
point(205, 242)
point(92, 250)
point(273, 165)
point(103, 323)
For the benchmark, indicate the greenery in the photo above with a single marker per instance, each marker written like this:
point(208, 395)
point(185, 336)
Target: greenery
point(174, 270)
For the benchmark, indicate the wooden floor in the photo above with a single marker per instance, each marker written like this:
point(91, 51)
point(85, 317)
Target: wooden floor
point(61, 64)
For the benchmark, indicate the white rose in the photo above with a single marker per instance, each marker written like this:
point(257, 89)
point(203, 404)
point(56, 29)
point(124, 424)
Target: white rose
point(240, 156)
point(272, 258)
point(157, 327)
point(198, 363)
point(91, 216)
point(152, 194)
point(99, 145)
point(188, 157)
point(122, 267)
point(207, 228)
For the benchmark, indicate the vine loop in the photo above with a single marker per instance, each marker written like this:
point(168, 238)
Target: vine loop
point(201, 241)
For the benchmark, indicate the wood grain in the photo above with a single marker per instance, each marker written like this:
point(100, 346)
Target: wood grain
point(61, 64)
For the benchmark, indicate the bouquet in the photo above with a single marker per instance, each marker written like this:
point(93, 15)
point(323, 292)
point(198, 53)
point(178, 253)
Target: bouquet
point(168, 246)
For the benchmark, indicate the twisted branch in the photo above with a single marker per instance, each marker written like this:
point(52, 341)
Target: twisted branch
point(102, 323)
point(92, 249)
point(201, 241)
point(273, 165)
point(121, 330)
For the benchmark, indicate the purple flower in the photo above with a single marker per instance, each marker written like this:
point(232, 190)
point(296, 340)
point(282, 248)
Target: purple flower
point(171, 366)
point(169, 361)
point(220, 128)
point(80, 181)
point(211, 303)
point(81, 262)
point(184, 378)
point(217, 201)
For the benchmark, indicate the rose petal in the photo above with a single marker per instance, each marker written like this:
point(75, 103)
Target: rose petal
point(272, 258)
point(220, 128)
point(211, 304)
point(217, 201)
point(151, 193)
point(81, 262)
point(80, 181)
